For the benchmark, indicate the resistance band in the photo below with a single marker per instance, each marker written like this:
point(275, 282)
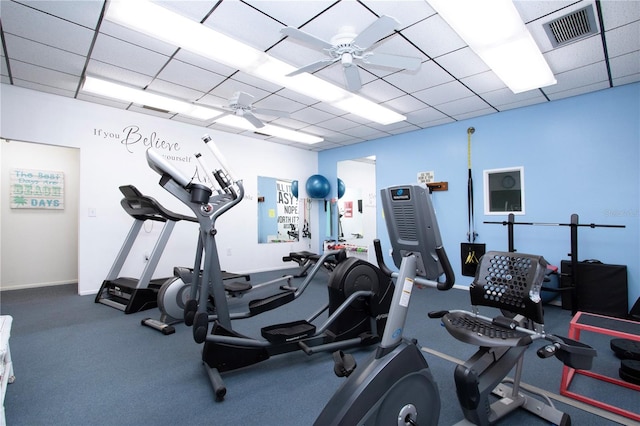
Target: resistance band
point(470, 252)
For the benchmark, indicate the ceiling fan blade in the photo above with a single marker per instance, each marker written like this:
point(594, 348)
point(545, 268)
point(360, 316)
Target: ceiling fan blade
point(312, 67)
point(380, 28)
point(393, 61)
point(352, 76)
point(306, 38)
point(253, 119)
point(271, 112)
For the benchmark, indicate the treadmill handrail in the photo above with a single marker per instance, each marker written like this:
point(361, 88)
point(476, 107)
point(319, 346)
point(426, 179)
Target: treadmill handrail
point(143, 207)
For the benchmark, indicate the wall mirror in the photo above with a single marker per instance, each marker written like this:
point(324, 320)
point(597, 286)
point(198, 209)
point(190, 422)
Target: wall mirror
point(278, 211)
point(504, 191)
point(357, 206)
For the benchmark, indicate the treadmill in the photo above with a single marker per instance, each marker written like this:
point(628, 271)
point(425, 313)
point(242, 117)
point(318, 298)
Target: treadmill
point(138, 294)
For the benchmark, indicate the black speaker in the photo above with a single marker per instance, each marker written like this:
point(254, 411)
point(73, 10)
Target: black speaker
point(601, 288)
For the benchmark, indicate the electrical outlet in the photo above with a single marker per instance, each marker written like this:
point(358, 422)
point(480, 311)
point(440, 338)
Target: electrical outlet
point(92, 212)
point(228, 252)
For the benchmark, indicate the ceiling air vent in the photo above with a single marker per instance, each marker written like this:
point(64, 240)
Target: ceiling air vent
point(571, 27)
point(155, 109)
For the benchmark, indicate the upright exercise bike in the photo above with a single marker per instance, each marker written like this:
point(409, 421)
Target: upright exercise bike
point(395, 386)
point(359, 293)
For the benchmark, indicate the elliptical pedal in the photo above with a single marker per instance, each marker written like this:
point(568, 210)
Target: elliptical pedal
point(288, 332)
point(259, 306)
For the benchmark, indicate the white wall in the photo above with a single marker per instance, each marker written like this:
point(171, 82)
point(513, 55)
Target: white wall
point(40, 246)
point(108, 161)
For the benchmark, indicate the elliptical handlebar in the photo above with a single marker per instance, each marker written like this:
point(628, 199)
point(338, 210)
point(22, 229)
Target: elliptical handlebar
point(221, 159)
point(444, 261)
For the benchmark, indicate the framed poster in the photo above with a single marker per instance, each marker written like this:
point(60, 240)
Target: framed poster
point(36, 189)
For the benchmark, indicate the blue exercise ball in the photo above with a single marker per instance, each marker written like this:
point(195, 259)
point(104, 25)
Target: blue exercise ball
point(341, 188)
point(318, 186)
point(294, 188)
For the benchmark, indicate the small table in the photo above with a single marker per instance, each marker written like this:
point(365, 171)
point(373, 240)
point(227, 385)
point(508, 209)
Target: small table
point(616, 327)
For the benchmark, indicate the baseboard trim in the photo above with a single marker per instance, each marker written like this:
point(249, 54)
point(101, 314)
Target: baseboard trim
point(36, 285)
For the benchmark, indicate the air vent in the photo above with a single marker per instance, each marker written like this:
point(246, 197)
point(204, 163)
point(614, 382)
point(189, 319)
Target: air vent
point(572, 27)
point(154, 109)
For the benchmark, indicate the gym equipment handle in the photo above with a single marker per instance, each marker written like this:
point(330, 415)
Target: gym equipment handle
point(444, 261)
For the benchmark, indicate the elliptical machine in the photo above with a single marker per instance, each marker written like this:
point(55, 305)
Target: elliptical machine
point(359, 293)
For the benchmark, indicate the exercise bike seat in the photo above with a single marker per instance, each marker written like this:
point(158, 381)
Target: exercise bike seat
point(468, 328)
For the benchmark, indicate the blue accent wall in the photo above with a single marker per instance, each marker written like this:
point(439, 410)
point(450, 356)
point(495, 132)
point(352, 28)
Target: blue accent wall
point(580, 155)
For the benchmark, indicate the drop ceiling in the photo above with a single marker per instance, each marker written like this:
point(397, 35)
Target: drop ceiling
point(51, 45)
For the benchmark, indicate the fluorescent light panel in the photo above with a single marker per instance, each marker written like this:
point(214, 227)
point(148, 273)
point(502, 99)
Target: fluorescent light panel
point(269, 129)
point(495, 32)
point(172, 28)
point(142, 97)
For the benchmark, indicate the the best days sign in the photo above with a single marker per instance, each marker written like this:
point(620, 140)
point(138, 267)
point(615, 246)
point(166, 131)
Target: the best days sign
point(36, 189)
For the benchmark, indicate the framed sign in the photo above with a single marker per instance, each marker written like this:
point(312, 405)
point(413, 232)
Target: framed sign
point(504, 191)
point(36, 189)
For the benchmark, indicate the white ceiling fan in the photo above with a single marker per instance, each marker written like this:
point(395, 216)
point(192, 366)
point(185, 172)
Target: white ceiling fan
point(352, 49)
point(240, 104)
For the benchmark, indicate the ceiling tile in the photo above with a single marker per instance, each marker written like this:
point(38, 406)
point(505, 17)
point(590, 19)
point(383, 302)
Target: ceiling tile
point(583, 76)
point(199, 78)
point(405, 104)
point(34, 53)
point(23, 21)
point(459, 107)
point(618, 39)
point(430, 74)
point(117, 74)
point(25, 72)
point(462, 63)
point(407, 13)
point(625, 65)
point(137, 38)
point(578, 90)
point(125, 55)
point(619, 13)
point(257, 30)
point(434, 37)
point(85, 13)
point(443, 93)
point(584, 52)
point(484, 82)
point(291, 13)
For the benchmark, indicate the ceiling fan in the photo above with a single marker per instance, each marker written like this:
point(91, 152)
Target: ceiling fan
point(240, 104)
point(349, 49)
